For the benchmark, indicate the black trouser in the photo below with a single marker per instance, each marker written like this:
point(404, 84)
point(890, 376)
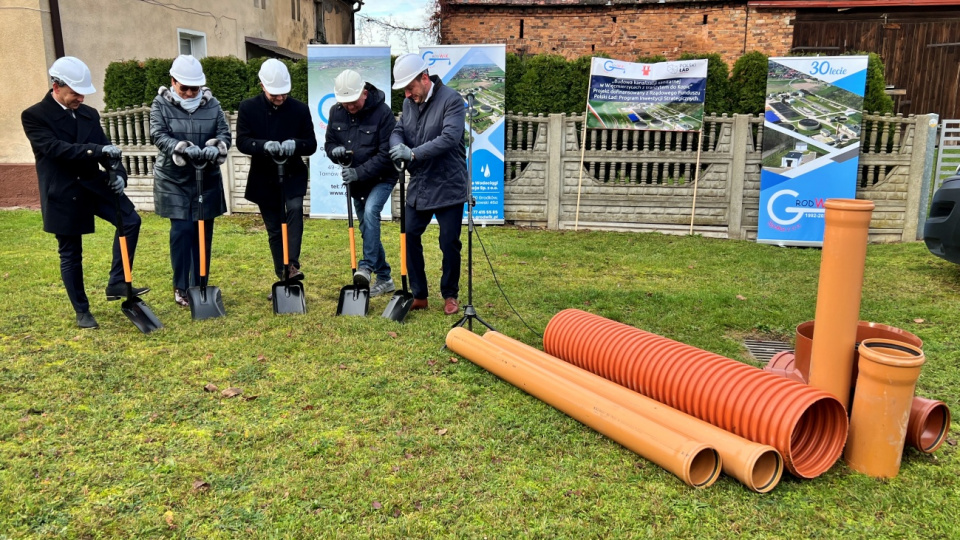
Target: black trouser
point(273, 218)
point(185, 251)
point(450, 219)
point(71, 250)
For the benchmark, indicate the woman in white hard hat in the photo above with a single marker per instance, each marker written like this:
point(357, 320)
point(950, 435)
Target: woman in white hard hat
point(272, 126)
point(189, 128)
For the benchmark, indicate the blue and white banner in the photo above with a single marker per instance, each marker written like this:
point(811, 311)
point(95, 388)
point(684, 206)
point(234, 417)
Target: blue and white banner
point(324, 62)
point(480, 69)
point(666, 96)
point(811, 144)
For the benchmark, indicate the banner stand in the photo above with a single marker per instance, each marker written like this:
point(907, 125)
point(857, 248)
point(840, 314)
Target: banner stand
point(696, 177)
point(583, 148)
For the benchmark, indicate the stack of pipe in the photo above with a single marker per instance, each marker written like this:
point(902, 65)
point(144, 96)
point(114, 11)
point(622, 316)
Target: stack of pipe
point(693, 450)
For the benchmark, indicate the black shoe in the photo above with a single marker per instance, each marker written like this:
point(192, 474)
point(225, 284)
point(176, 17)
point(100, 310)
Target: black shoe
point(86, 320)
point(119, 290)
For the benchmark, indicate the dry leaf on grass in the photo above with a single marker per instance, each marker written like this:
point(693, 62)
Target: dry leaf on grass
point(918, 321)
point(392, 334)
point(442, 431)
point(168, 517)
point(741, 297)
point(200, 485)
point(231, 392)
point(210, 387)
point(376, 505)
point(396, 512)
point(454, 360)
point(250, 398)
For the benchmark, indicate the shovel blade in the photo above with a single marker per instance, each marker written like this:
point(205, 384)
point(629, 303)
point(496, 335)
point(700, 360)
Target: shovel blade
point(353, 300)
point(140, 315)
point(289, 297)
point(399, 306)
point(205, 304)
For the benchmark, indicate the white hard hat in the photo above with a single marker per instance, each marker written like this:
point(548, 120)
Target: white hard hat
point(275, 77)
point(188, 71)
point(406, 69)
point(348, 86)
point(74, 73)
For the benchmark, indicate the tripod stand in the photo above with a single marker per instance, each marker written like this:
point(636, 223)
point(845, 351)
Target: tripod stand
point(469, 312)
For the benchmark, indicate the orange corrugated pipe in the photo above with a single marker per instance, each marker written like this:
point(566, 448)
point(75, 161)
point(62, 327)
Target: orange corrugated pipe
point(838, 295)
point(881, 406)
point(806, 425)
point(757, 466)
point(695, 462)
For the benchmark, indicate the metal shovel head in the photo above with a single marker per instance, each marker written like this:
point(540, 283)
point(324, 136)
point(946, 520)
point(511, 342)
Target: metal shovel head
point(205, 306)
point(289, 297)
point(399, 306)
point(353, 300)
point(140, 315)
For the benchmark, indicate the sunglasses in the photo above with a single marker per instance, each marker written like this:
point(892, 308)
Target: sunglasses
point(188, 88)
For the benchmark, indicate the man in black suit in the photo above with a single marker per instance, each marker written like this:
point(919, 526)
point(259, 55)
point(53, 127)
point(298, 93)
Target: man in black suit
point(69, 145)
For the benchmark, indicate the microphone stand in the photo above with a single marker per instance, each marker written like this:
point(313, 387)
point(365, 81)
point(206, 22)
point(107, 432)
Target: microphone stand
point(469, 312)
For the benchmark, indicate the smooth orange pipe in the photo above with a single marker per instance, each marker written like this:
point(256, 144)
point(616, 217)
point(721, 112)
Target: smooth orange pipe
point(929, 424)
point(757, 466)
point(881, 406)
point(807, 426)
point(838, 295)
point(694, 462)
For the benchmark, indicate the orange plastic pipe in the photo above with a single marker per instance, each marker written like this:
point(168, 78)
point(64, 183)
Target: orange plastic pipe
point(807, 426)
point(881, 406)
point(757, 466)
point(838, 295)
point(929, 424)
point(694, 462)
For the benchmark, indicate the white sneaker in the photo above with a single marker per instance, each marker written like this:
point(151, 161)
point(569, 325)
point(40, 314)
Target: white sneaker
point(382, 287)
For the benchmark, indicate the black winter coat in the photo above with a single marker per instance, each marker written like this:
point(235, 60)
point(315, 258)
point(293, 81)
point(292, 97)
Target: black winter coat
point(258, 121)
point(438, 172)
point(174, 185)
point(68, 155)
point(367, 133)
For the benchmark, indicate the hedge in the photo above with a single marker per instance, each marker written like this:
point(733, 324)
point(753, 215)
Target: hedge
point(542, 83)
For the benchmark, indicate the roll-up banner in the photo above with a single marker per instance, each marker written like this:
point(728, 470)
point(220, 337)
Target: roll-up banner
point(667, 96)
point(324, 63)
point(811, 144)
point(480, 69)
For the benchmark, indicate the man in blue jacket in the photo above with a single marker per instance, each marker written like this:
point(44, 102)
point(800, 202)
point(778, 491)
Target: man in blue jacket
point(361, 122)
point(429, 136)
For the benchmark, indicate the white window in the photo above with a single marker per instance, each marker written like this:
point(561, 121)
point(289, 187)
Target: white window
point(192, 42)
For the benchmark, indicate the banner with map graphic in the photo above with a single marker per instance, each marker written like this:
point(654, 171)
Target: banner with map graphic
point(811, 144)
point(666, 96)
point(480, 69)
point(324, 62)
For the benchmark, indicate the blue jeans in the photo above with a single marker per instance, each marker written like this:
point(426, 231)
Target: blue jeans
point(368, 212)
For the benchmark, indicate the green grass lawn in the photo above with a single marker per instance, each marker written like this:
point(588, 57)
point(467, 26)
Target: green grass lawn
point(363, 427)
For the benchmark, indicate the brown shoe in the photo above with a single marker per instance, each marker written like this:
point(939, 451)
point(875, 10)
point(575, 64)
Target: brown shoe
point(181, 297)
point(418, 303)
point(451, 306)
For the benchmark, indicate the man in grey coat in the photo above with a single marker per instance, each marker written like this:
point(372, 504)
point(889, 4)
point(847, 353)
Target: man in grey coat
point(429, 137)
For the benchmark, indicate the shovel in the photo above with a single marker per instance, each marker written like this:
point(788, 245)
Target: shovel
point(133, 307)
point(288, 294)
point(354, 300)
point(402, 300)
point(205, 301)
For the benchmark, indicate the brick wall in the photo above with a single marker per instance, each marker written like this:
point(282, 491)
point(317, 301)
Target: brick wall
point(624, 33)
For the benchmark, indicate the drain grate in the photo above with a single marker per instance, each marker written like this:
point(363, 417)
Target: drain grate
point(763, 351)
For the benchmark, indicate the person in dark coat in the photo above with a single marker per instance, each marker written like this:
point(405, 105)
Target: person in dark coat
point(188, 128)
point(361, 122)
point(275, 126)
point(429, 136)
point(69, 146)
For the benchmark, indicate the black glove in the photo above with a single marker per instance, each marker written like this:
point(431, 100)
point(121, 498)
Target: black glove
point(192, 152)
point(349, 175)
point(288, 147)
point(210, 153)
point(338, 152)
point(401, 152)
point(111, 151)
point(272, 148)
point(115, 183)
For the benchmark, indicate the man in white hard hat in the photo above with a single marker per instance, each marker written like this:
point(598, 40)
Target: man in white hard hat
point(274, 126)
point(69, 146)
point(361, 122)
point(429, 136)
